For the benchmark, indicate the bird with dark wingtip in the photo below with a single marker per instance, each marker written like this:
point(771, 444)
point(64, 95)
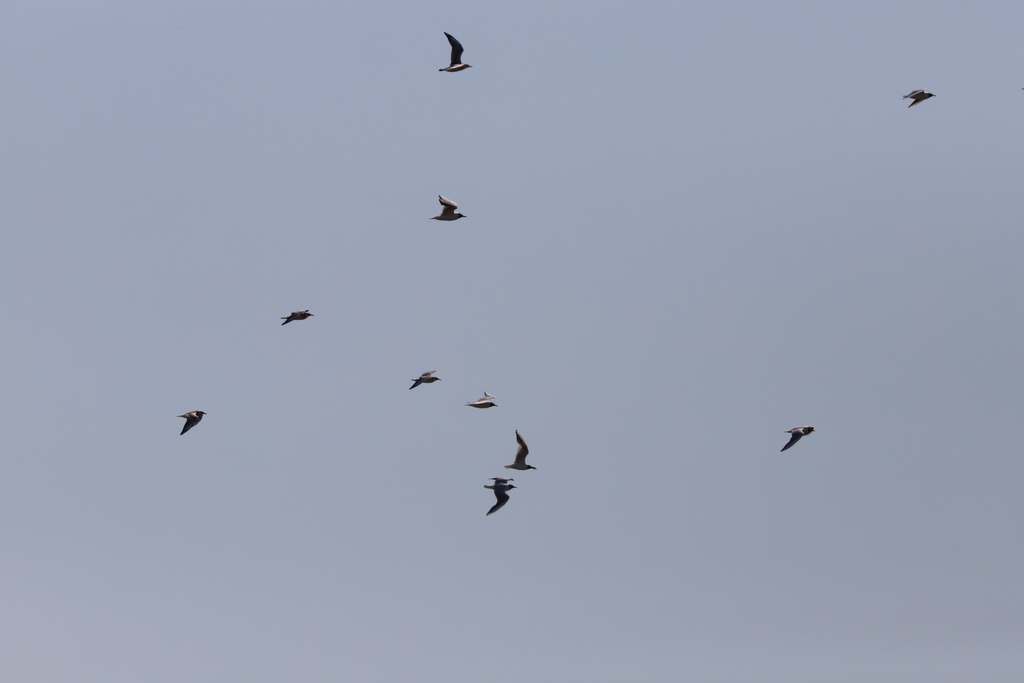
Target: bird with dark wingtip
point(191, 420)
point(500, 488)
point(918, 96)
point(797, 434)
point(485, 401)
point(448, 212)
point(520, 463)
point(456, 64)
point(296, 315)
point(425, 378)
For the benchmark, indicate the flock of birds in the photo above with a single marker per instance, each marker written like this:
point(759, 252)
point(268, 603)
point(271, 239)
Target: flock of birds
point(501, 485)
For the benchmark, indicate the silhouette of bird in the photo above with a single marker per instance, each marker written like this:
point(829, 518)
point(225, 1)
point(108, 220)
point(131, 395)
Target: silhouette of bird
point(798, 433)
point(296, 315)
point(456, 64)
point(500, 488)
point(918, 96)
point(447, 210)
point(487, 401)
point(520, 463)
point(191, 420)
point(425, 378)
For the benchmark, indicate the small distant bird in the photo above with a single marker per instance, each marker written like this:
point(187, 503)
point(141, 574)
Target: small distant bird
point(500, 488)
point(456, 64)
point(447, 210)
point(520, 463)
point(191, 420)
point(918, 96)
point(486, 402)
point(425, 378)
point(798, 433)
point(296, 315)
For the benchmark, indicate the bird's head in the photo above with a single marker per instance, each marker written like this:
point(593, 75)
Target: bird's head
point(199, 412)
point(511, 486)
point(461, 215)
point(808, 430)
point(530, 467)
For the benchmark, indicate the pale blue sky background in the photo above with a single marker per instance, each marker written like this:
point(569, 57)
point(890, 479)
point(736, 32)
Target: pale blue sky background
point(690, 228)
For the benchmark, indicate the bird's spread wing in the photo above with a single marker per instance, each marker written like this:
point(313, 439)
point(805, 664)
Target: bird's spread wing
point(792, 440)
point(190, 422)
point(447, 202)
point(456, 49)
point(502, 499)
point(416, 383)
point(523, 450)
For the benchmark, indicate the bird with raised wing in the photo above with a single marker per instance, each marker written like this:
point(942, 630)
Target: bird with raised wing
point(500, 488)
point(520, 463)
point(797, 434)
point(456, 64)
point(448, 212)
point(425, 378)
point(918, 96)
point(296, 315)
point(486, 401)
point(191, 420)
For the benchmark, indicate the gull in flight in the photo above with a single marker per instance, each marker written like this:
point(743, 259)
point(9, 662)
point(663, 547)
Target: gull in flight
point(798, 433)
point(296, 315)
point(500, 488)
point(456, 64)
point(191, 420)
point(425, 378)
point(486, 402)
point(520, 463)
point(918, 96)
point(447, 210)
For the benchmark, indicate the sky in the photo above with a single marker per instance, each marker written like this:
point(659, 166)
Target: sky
point(690, 227)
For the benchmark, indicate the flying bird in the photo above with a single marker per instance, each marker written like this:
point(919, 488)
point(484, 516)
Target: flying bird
point(456, 64)
point(486, 402)
point(425, 378)
point(296, 315)
point(918, 96)
point(448, 212)
point(500, 488)
point(191, 420)
point(520, 463)
point(798, 433)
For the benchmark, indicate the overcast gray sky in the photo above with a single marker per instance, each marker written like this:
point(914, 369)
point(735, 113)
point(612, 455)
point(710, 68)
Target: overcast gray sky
point(690, 228)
